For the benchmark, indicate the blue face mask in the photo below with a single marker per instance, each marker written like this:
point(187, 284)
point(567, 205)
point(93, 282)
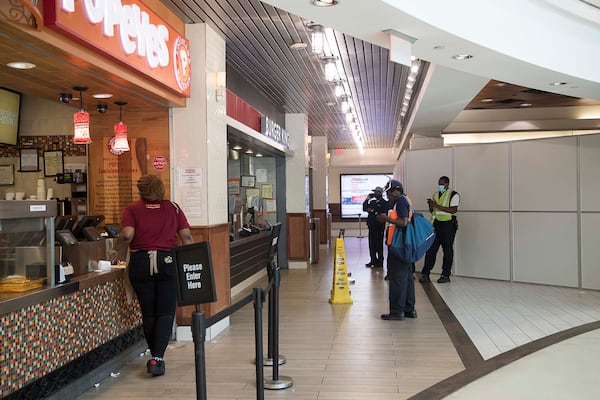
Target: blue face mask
point(442, 188)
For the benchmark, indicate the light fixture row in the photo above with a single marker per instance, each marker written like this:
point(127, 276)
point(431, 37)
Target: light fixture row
point(324, 45)
point(408, 92)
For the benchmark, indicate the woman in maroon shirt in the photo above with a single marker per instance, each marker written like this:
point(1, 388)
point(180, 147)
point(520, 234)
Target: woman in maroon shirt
point(151, 227)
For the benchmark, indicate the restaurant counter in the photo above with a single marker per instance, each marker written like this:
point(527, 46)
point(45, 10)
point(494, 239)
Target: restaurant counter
point(53, 336)
point(248, 255)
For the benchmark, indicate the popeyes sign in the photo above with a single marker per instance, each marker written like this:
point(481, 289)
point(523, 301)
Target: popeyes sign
point(128, 31)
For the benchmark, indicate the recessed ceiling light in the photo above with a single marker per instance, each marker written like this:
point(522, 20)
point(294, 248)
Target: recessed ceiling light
point(298, 46)
point(21, 65)
point(558, 83)
point(102, 95)
point(462, 57)
point(499, 84)
point(486, 100)
point(525, 104)
point(324, 3)
point(237, 147)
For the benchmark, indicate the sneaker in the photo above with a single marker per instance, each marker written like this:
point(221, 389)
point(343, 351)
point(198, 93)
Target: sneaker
point(443, 279)
point(156, 367)
point(386, 277)
point(424, 279)
point(392, 317)
point(377, 266)
point(369, 265)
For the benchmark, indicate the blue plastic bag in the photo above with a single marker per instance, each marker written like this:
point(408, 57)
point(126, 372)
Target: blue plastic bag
point(412, 242)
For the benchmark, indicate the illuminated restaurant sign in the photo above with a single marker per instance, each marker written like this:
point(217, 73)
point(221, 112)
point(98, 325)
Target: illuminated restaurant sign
point(272, 130)
point(128, 31)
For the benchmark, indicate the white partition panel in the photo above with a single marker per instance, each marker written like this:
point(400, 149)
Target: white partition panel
point(590, 259)
point(482, 176)
point(482, 245)
point(590, 172)
point(423, 168)
point(545, 175)
point(545, 248)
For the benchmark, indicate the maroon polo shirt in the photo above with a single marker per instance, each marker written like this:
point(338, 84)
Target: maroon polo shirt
point(156, 224)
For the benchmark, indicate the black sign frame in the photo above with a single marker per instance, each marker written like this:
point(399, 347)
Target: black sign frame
point(195, 280)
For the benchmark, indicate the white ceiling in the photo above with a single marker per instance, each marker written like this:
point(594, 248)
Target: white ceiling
point(530, 43)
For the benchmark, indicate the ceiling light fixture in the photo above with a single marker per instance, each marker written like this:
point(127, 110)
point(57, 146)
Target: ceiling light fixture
point(249, 151)
point(486, 100)
point(317, 38)
point(324, 3)
point(21, 65)
point(237, 147)
point(81, 121)
point(558, 83)
point(120, 144)
point(461, 57)
point(298, 46)
point(102, 95)
point(331, 73)
point(258, 155)
point(525, 105)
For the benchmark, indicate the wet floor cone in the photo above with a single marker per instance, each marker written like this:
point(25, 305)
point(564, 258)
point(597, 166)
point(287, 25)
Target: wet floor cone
point(340, 294)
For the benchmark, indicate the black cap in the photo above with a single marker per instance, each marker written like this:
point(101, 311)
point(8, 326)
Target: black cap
point(394, 184)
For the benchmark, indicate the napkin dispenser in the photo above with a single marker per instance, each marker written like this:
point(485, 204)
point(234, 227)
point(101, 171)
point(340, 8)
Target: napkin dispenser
point(63, 273)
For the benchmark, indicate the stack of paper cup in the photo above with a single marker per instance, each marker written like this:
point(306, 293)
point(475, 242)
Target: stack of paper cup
point(9, 196)
point(19, 195)
point(41, 189)
point(50, 194)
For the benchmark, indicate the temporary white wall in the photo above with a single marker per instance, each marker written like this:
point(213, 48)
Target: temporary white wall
point(528, 209)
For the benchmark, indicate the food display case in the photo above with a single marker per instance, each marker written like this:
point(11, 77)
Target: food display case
point(27, 251)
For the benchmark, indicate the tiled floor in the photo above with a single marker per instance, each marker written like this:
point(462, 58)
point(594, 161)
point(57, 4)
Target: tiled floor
point(345, 351)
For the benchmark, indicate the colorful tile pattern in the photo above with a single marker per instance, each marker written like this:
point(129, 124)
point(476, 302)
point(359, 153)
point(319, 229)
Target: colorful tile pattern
point(39, 339)
point(44, 143)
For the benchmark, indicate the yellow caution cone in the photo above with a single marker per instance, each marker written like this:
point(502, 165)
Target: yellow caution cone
point(340, 294)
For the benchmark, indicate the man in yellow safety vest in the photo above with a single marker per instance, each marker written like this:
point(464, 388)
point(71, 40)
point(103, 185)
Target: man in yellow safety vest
point(443, 207)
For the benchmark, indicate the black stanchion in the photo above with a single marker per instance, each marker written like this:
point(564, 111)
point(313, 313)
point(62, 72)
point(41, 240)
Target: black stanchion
point(258, 339)
point(273, 318)
point(199, 335)
point(278, 382)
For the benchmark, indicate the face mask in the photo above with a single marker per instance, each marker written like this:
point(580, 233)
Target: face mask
point(442, 188)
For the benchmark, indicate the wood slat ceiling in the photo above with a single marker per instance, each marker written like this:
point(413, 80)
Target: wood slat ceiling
point(258, 37)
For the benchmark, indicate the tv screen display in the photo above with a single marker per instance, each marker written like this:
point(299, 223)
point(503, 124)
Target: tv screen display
point(10, 107)
point(354, 189)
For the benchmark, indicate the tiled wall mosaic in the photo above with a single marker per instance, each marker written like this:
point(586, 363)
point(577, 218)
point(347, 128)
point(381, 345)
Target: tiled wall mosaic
point(45, 143)
point(41, 338)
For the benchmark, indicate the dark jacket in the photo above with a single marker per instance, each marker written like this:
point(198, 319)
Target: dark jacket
point(373, 207)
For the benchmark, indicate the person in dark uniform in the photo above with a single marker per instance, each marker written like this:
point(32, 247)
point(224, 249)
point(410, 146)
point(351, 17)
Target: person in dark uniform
point(374, 205)
point(443, 207)
point(402, 285)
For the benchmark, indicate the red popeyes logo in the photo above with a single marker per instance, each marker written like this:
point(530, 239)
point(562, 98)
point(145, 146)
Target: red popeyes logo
point(128, 31)
point(159, 163)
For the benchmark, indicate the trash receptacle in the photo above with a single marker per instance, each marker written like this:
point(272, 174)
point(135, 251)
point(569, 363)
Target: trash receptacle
point(314, 234)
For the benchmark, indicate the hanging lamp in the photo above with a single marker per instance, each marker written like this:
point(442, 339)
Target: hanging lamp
point(120, 144)
point(81, 121)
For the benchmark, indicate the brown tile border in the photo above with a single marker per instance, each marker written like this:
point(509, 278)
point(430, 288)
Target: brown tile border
point(475, 366)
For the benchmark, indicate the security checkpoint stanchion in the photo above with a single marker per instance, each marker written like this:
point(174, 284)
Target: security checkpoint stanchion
point(278, 381)
point(199, 336)
point(273, 333)
point(360, 236)
point(258, 341)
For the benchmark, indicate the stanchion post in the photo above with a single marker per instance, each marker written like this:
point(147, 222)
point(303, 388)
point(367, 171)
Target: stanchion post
point(273, 318)
point(360, 236)
point(278, 382)
point(199, 335)
point(258, 341)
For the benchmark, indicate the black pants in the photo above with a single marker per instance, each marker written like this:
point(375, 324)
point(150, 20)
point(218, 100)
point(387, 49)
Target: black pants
point(376, 244)
point(157, 295)
point(402, 286)
point(445, 231)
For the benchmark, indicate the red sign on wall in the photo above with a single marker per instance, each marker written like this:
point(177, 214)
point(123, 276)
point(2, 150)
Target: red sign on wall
point(128, 31)
point(159, 163)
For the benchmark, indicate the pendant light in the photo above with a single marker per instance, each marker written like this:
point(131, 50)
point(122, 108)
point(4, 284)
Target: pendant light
point(81, 121)
point(120, 144)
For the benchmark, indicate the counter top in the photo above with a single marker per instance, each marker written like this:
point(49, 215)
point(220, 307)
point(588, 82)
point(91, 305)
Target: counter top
point(10, 302)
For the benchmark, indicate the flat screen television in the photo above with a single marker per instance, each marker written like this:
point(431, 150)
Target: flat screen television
point(10, 109)
point(88, 221)
point(354, 189)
